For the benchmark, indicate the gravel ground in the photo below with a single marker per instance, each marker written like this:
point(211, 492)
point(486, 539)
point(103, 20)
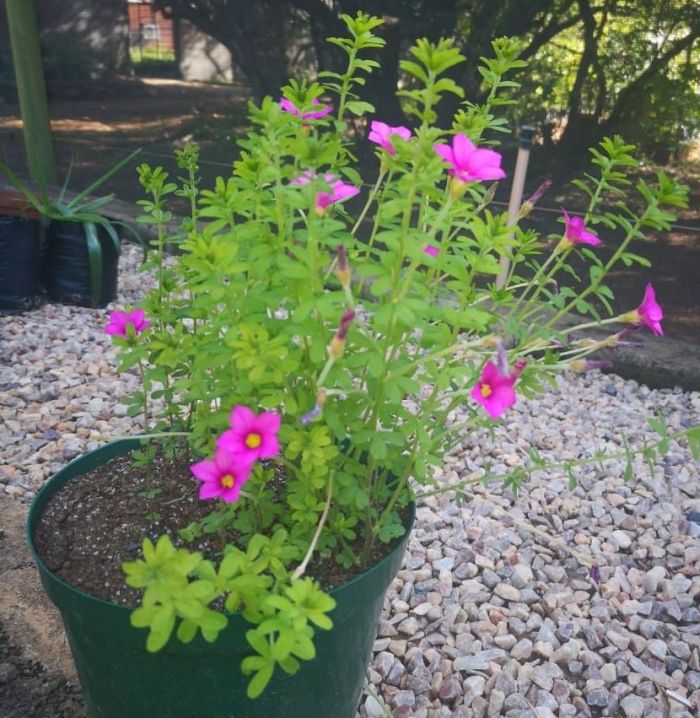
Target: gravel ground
point(488, 617)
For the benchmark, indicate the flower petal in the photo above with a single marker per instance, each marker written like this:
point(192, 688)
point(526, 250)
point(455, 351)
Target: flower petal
point(484, 164)
point(445, 151)
point(209, 491)
point(503, 398)
point(231, 495)
point(463, 148)
point(269, 447)
point(242, 417)
point(232, 441)
point(268, 421)
point(206, 470)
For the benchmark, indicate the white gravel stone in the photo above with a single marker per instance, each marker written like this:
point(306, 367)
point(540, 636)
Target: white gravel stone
point(622, 539)
point(487, 618)
point(632, 706)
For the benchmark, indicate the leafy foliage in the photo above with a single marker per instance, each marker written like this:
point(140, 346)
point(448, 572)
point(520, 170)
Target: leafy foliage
point(248, 313)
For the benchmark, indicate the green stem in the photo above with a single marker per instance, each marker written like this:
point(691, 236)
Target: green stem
point(561, 465)
point(596, 283)
point(145, 395)
point(370, 199)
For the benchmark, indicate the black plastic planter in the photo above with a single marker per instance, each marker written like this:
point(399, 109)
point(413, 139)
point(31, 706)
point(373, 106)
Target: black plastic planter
point(19, 263)
point(119, 678)
point(80, 264)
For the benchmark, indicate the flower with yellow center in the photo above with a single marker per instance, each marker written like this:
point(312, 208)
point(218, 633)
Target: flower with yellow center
point(251, 436)
point(253, 440)
point(227, 481)
point(486, 391)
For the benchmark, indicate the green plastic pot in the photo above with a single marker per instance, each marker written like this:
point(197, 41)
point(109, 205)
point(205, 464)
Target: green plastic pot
point(201, 680)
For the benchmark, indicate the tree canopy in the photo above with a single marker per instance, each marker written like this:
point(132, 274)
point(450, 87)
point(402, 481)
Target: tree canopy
point(595, 66)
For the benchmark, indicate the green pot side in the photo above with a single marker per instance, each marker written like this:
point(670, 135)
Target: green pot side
point(119, 678)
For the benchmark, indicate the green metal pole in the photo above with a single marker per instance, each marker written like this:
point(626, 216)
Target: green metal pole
point(31, 88)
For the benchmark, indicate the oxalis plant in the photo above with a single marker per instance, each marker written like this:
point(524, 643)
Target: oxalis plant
point(312, 358)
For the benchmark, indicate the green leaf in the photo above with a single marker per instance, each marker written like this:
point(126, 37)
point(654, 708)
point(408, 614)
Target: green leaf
point(259, 681)
point(359, 108)
point(186, 631)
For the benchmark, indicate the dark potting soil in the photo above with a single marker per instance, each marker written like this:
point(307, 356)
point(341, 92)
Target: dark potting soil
point(98, 520)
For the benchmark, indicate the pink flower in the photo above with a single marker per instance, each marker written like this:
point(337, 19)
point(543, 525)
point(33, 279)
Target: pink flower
point(340, 191)
point(431, 250)
point(289, 106)
point(576, 232)
point(649, 311)
point(309, 176)
point(120, 321)
point(223, 476)
point(381, 133)
point(495, 390)
point(251, 436)
point(469, 163)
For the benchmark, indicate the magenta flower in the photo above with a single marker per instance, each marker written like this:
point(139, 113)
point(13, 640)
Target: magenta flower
point(222, 477)
point(309, 176)
point(323, 110)
point(469, 163)
point(251, 436)
point(381, 133)
point(494, 391)
point(649, 311)
point(576, 232)
point(340, 191)
point(120, 321)
point(431, 250)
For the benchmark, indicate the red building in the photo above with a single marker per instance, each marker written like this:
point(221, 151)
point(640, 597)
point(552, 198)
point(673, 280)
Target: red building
point(151, 35)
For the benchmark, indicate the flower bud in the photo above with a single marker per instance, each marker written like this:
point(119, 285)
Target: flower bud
point(502, 358)
point(581, 365)
point(531, 201)
point(342, 271)
point(490, 194)
point(337, 345)
point(316, 411)
point(518, 367)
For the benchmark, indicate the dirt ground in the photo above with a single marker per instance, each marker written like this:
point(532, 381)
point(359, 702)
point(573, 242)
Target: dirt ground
point(37, 675)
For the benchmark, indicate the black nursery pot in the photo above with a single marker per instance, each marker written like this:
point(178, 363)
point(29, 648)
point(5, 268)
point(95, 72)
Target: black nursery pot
point(77, 269)
point(19, 263)
point(202, 680)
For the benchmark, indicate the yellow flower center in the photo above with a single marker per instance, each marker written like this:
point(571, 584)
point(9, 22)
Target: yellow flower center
point(253, 440)
point(227, 481)
point(486, 391)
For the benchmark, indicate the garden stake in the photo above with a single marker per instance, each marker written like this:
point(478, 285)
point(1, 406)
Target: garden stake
point(516, 192)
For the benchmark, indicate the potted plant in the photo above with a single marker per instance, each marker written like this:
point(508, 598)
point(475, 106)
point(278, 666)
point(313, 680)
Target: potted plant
point(300, 366)
point(19, 254)
point(79, 262)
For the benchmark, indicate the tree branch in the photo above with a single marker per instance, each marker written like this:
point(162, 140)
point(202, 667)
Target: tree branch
point(657, 64)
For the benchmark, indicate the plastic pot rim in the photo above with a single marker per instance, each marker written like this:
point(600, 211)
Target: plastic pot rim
point(54, 484)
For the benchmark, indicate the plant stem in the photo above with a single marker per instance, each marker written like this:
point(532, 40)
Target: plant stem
point(596, 283)
point(299, 571)
point(373, 192)
point(561, 465)
point(145, 396)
